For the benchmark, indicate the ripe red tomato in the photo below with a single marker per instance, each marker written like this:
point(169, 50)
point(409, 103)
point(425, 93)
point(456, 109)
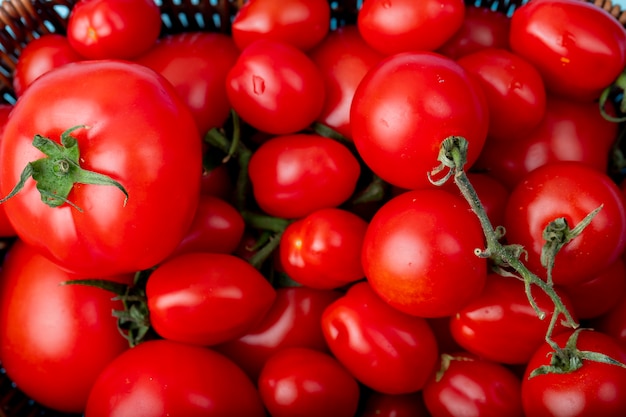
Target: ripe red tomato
point(419, 246)
point(568, 190)
point(385, 349)
point(292, 321)
point(197, 64)
point(613, 322)
point(406, 25)
point(206, 298)
point(468, 386)
point(275, 87)
point(39, 56)
point(406, 106)
point(294, 175)
point(139, 134)
point(54, 339)
point(578, 47)
point(6, 228)
point(161, 377)
point(123, 29)
point(516, 96)
point(595, 389)
point(301, 23)
point(377, 404)
point(307, 383)
point(343, 59)
point(323, 249)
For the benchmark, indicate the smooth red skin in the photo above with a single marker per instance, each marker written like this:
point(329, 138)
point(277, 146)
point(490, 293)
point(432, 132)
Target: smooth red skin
point(481, 28)
point(197, 64)
point(474, 388)
point(294, 175)
point(161, 377)
point(55, 339)
point(578, 47)
point(406, 106)
point(323, 249)
point(49, 51)
point(307, 383)
point(596, 389)
point(152, 148)
point(407, 25)
point(595, 297)
point(293, 320)
point(118, 29)
point(569, 131)
point(206, 298)
point(377, 404)
point(343, 58)
point(6, 228)
point(217, 182)
point(569, 190)
point(613, 323)
point(275, 87)
point(301, 23)
point(501, 325)
point(385, 349)
point(418, 247)
point(217, 228)
point(514, 89)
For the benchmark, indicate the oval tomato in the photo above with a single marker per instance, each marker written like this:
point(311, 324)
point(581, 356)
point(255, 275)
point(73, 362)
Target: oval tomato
point(406, 106)
point(206, 298)
point(139, 134)
point(161, 377)
point(377, 404)
point(54, 339)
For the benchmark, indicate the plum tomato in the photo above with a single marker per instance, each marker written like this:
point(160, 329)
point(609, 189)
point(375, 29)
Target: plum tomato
point(377, 404)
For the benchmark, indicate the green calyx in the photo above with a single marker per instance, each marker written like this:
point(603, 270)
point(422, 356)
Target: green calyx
point(59, 170)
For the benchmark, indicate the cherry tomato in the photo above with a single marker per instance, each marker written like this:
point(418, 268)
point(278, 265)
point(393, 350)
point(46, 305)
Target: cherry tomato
point(6, 228)
point(161, 377)
point(301, 23)
point(294, 175)
point(578, 47)
point(385, 349)
point(377, 404)
point(275, 87)
point(406, 106)
point(123, 29)
point(405, 25)
point(613, 322)
point(419, 246)
point(217, 182)
point(54, 339)
point(306, 382)
point(568, 190)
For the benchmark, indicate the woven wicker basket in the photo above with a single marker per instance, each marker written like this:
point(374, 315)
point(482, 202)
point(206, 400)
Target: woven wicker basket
point(23, 20)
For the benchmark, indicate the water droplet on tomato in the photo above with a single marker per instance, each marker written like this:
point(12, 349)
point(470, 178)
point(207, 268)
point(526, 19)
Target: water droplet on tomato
point(258, 85)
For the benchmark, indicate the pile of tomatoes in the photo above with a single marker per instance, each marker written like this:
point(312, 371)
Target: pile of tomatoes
point(420, 213)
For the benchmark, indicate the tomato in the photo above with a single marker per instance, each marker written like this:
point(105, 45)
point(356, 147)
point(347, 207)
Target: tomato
point(468, 386)
point(343, 59)
point(301, 23)
point(501, 325)
point(569, 131)
point(482, 28)
point(124, 29)
point(405, 25)
point(294, 175)
point(323, 249)
point(568, 190)
point(197, 64)
point(613, 322)
point(578, 48)
point(138, 134)
point(6, 228)
point(51, 50)
point(418, 253)
point(275, 87)
point(516, 96)
point(377, 404)
point(161, 377)
point(54, 339)
point(385, 349)
point(306, 382)
point(595, 389)
point(206, 298)
point(406, 106)
point(217, 182)
point(217, 227)
point(293, 320)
